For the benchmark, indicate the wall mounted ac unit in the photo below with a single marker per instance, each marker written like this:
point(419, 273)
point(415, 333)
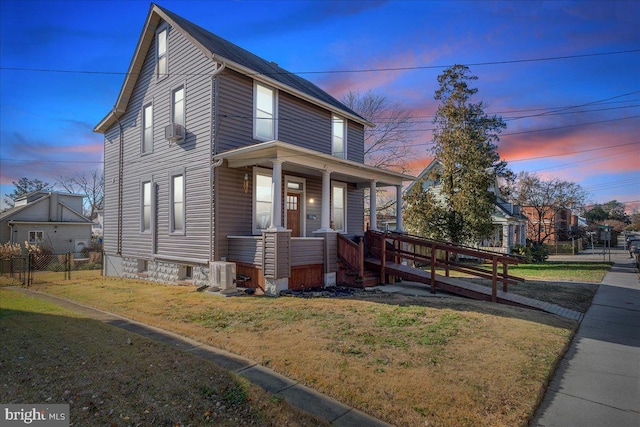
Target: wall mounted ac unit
point(222, 275)
point(174, 132)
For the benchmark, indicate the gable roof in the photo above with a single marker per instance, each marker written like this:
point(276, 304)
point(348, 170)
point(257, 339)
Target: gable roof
point(43, 196)
point(223, 51)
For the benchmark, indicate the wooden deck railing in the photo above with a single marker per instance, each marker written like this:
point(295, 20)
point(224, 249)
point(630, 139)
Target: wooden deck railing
point(352, 254)
point(395, 247)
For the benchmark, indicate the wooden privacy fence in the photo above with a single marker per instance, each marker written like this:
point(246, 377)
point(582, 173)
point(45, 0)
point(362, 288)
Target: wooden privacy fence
point(399, 248)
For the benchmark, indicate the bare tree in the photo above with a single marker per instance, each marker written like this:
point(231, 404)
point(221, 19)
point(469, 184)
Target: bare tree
point(88, 183)
point(544, 202)
point(385, 145)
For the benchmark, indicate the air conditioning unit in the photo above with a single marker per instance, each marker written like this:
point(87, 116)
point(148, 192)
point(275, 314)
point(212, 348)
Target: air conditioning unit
point(222, 275)
point(174, 132)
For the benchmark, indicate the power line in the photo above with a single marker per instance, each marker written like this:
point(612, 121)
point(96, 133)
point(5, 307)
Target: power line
point(570, 126)
point(574, 152)
point(363, 70)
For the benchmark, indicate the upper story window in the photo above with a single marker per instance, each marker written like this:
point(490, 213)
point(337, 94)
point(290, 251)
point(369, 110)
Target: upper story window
point(161, 53)
point(177, 106)
point(145, 220)
point(147, 128)
point(264, 115)
point(338, 137)
point(177, 208)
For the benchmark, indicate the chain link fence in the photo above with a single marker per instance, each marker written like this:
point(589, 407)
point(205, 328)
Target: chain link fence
point(43, 266)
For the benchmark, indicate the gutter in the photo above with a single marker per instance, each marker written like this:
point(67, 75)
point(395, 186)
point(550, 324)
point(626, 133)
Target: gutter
point(215, 123)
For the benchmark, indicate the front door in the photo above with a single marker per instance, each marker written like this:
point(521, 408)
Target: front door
point(293, 213)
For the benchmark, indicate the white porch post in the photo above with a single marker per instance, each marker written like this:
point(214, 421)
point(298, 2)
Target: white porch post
point(276, 202)
point(399, 227)
point(373, 209)
point(325, 214)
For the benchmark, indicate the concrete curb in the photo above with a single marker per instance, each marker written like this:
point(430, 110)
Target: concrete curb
point(296, 394)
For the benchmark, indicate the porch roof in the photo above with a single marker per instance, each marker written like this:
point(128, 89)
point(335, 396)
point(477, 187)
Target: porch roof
point(305, 161)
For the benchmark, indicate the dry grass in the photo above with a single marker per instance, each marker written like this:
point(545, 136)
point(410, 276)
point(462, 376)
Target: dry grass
point(568, 284)
point(112, 377)
point(409, 361)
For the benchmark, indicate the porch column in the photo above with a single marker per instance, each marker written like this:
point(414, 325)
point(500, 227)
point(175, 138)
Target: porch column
point(276, 202)
point(325, 214)
point(373, 209)
point(399, 227)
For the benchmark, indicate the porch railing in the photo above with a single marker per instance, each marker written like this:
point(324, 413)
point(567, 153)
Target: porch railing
point(398, 248)
point(352, 254)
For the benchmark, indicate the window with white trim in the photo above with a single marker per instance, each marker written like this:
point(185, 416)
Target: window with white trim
point(339, 206)
point(177, 106)
point(36, 237)
point(177, 208)
point(162, 59)
point(145, 218)
point(338, 137)
point(264, 113)
point(147, 128)
point(262, 199)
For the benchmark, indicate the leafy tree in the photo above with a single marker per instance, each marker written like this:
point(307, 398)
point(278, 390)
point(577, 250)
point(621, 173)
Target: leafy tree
point(465, 140)
point(612, 210)
point(634, 221)
point(24, 186)
point(88, 183)
point(544, 202)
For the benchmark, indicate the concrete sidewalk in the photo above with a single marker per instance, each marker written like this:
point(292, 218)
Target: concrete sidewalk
point(598, 380)
point(296, 394)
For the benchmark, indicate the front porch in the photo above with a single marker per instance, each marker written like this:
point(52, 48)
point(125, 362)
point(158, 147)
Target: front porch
point(290, 240)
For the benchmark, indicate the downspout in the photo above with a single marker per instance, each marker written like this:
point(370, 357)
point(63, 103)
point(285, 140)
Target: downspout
point(213, 151)
point(120, 184)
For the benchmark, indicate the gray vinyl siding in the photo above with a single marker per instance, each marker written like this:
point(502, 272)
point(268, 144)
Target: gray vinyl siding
point(355, 142)
point(355, 209)
point(303, 124)
point(307, 251)
point(234, 209)
point(230, 210)
point(235, 107)
point(187, 67)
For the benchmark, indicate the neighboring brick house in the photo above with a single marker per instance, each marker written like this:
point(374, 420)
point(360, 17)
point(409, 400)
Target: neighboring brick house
point(213, 154)
point(509, 223)
point(549, 225)
point(51, 219)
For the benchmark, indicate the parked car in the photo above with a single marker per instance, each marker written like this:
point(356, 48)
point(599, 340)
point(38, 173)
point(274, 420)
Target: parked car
point(634, 246)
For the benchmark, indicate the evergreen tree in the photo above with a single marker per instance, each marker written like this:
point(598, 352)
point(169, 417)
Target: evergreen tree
point(464, 140)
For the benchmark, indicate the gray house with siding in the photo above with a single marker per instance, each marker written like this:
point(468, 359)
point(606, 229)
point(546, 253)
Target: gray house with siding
point(509, 224)
point(215, 155)
point(50, 219)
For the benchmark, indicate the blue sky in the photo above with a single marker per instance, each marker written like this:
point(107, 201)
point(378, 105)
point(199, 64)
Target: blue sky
point(565, 75)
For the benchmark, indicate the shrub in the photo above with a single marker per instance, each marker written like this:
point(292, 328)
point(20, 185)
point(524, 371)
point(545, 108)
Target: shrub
point(531, 252)
point(56, 266)
point(8, 250)
point(90, 266)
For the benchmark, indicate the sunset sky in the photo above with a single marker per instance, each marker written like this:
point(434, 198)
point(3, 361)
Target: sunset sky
point(565, 75)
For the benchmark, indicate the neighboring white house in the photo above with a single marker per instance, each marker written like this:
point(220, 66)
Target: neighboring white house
point(509, 224)
point(51, 219)
point(97, 228)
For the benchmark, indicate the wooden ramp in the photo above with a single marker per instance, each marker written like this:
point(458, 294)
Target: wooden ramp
point(471, 290)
